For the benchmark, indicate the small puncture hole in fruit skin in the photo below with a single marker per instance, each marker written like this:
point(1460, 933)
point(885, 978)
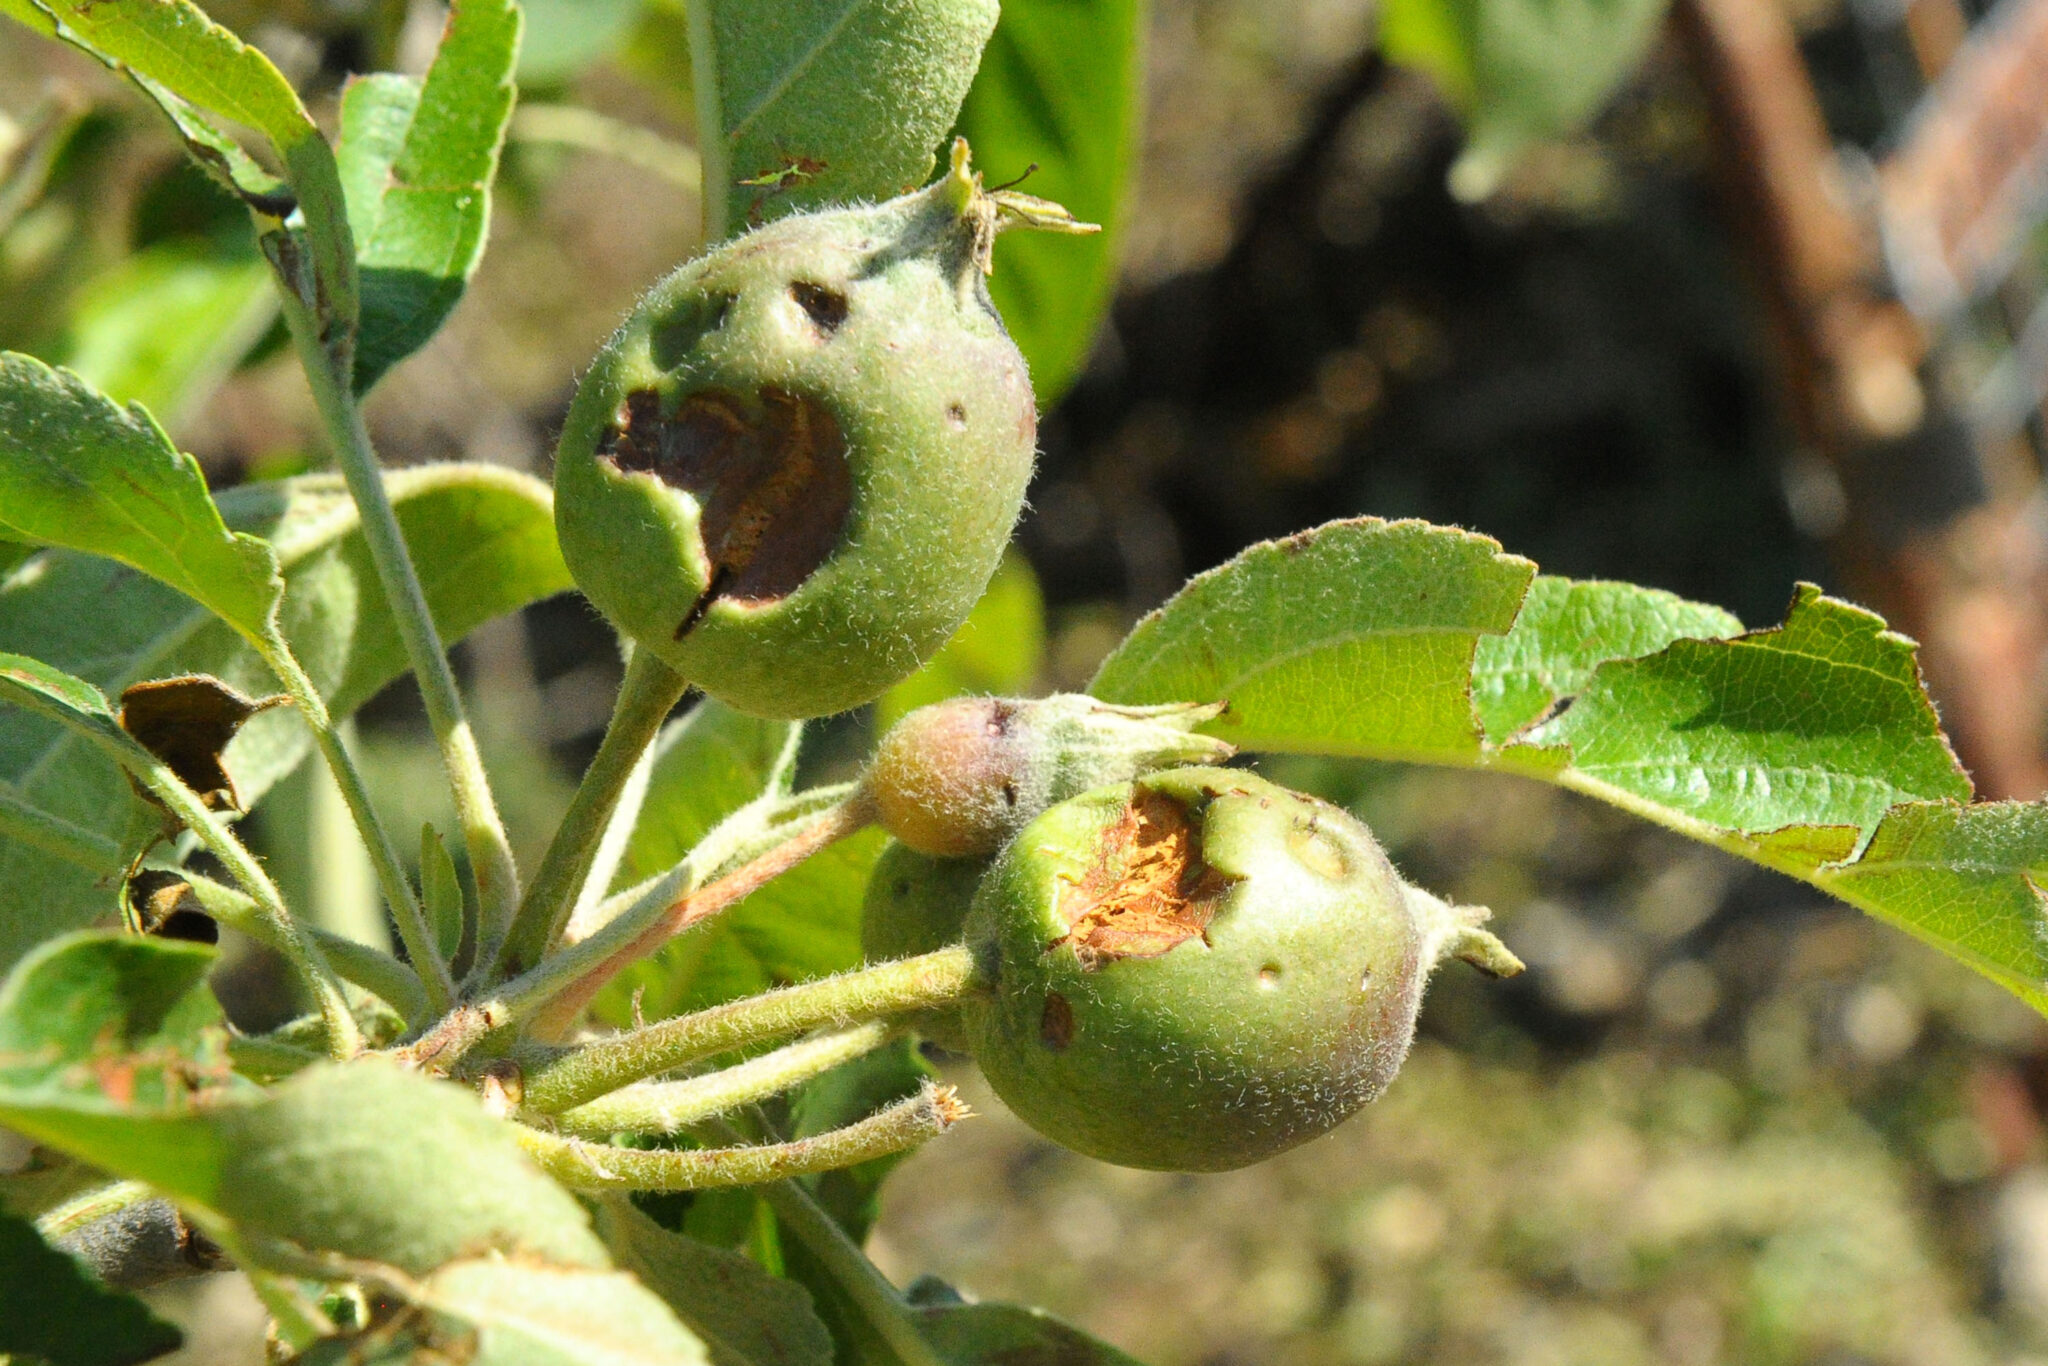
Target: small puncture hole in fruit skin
point(1365, 980)
point(824, 306)
point(1056, 1022)
point(1269, 976)
point(956, 413)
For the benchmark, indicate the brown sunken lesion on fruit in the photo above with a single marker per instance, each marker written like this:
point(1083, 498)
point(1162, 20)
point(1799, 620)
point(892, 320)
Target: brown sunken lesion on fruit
point(769, 475)
point(1149, 890)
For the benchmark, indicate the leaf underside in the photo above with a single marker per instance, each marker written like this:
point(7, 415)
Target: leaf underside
point(1809, 747)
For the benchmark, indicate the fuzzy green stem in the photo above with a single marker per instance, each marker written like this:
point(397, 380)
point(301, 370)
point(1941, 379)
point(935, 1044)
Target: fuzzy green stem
point(413, 931)
point(850, 817)
point(600, 1166)
point(563, 1080)
point(329, 371)
point(648, 692)
point(667, 1107)
point(754, 832)
point(371, 969)
point(267, 1060)
point(871, 1294)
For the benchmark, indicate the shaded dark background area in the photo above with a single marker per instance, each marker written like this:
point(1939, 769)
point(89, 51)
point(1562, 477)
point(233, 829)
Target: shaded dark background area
point(1591, 389)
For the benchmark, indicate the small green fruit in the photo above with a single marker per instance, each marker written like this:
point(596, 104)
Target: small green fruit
point(794, 468)
point(916, 904)
point(958, 778)
point(1200, 969)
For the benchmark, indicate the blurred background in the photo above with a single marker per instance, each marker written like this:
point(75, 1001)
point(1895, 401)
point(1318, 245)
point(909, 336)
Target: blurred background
point(1714, 300)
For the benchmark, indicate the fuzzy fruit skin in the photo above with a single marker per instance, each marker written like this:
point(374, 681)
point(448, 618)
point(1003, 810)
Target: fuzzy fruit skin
point(916, 904)
point(1207, 1056)
point(958, 778)
point(871, 322)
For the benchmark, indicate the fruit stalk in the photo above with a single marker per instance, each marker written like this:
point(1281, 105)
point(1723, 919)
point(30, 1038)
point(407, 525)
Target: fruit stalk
point(649, 691)
point(669, 1107)
point(602, 1166)
point(558, 1080)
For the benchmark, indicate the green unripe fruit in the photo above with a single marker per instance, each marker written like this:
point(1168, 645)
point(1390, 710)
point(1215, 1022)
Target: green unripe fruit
point(794, 468)
point(916, 904)
point(958, 778)
point(1200, 969)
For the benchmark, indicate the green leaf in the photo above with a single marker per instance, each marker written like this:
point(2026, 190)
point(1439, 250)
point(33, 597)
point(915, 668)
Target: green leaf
point(1356, 638)
point(1011, 1335)
point(483, 539)
point(108, 1043)
point(707, 764)
point(825, 101)
point(745, 1316)
point(518, 1314)
point(493, 1313)
point(166, 324)
point(441, 893)
point(417, 160)
point(1809, 747)
point(1819, 722)
point(1966, 879)
point(996, 650)
point(370, 1160)
point(78, 471)
point(1061, 86)
point(51, 1308)
point(1520, 71)
point(186, 62)
point(1566, 628)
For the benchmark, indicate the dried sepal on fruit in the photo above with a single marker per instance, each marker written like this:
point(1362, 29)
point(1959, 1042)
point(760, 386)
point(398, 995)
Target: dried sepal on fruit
point(793, 469)
point(1200, 969)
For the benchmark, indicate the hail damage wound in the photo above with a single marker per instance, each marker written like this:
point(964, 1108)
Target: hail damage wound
point(838, 432)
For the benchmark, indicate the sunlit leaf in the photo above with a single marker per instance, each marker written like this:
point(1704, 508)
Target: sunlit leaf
point(417, 159)
point(77, 470)
point(825, 101)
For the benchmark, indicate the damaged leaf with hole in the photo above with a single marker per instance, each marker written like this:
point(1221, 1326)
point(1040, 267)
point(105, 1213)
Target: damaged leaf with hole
point(792, 471)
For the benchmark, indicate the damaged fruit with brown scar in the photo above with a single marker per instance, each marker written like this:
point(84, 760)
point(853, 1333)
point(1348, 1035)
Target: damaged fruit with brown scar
point(1200, 969)
point(792, 471)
